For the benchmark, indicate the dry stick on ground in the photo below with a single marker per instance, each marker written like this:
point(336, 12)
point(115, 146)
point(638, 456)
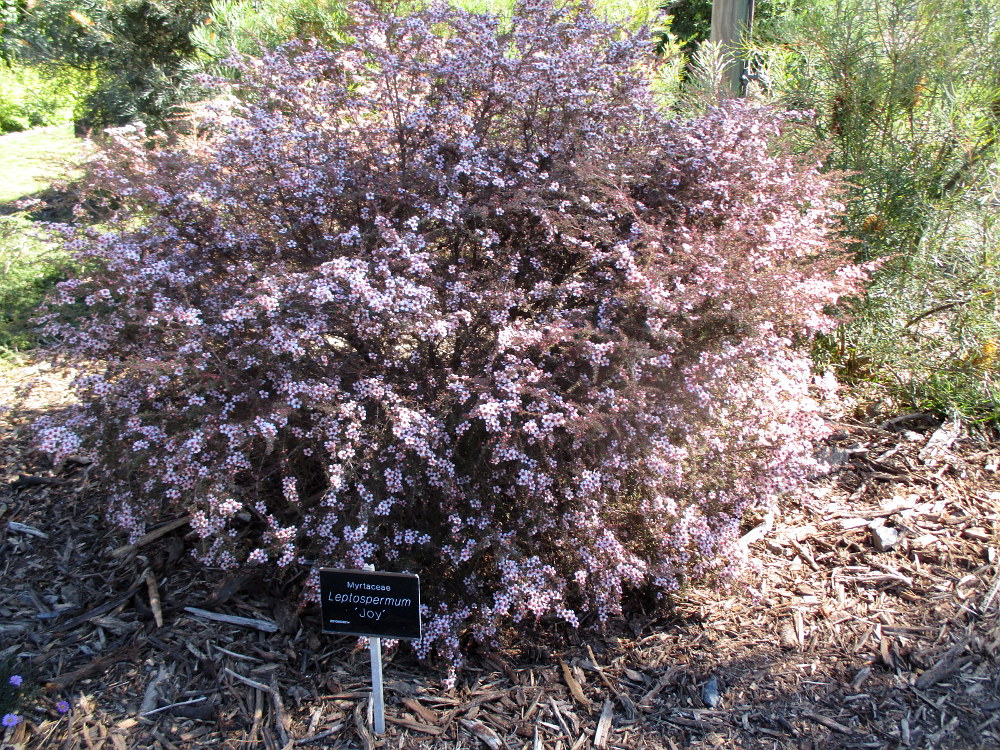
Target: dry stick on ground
point(944, 667)
point(483, 732)
point(23, 528)
point(169, 706)
point(154, 597)
point(249, 622)
point(836, 726)
point(150, 699)
point(360, 723)
point(247, 681)
point(416, 726)
point(97, 611)
point(97, 666)
point(281, 720)
point(321, 735)
point(560, 719)
point(991, 593)
point(152, 536)
point(574, 686)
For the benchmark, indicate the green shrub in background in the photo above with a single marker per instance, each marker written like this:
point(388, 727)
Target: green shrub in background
point(138, 49)
point(245, 26)
point(929, 330)
point(907, 99)
point(688, 23)
point(40, 95)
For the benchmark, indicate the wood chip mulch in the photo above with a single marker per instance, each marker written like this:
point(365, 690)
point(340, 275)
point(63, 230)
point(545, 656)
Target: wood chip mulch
point(828, 643)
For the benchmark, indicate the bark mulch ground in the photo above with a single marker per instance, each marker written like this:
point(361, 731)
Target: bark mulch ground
point(829, 643)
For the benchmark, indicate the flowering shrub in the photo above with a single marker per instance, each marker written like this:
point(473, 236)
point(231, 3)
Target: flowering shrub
point(459, 300)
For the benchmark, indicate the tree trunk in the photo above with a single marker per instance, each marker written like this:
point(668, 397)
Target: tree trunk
point(731, 21)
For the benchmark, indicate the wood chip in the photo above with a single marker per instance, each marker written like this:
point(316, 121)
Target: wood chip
point(758, 532)
point(151, 697)
point(559, 717)
point(247, 622)
point(939, 442)
point(23, 528)
point(646, 702)
point(171, 706)
point(431, 717)
point(604, 725)
point(575, 689)
point(154, 597)
point(416, 726)
point(836, 726)
point(282, 721)
point(320, 735)
point(247, 681)
point(97, 666)
point(990, 594)
point(944, 667)
point(362, 725)
point(483, 732)
point(805, 554)
point(28, 480)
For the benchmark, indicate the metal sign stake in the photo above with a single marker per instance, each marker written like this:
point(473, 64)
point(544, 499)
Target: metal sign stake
point(378, 703)
point(378, 699)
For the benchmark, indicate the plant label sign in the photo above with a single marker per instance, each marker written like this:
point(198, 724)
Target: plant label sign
point(370, 603)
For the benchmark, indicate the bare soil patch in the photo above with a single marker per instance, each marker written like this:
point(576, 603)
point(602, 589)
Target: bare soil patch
point(830, 643)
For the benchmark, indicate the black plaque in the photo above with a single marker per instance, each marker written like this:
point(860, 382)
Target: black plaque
point(366, 602)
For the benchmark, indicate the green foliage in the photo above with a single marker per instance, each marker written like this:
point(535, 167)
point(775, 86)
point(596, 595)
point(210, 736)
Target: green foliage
point(907, 98)
point(689, 22)
point(908, 95)
point(631, 14)
point(929, 330)
point(246, 26)
point(136, 47)
point(31, 96)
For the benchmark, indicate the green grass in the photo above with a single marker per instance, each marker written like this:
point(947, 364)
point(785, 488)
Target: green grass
point(30, 262)
point(33, 159)
point(29, 265)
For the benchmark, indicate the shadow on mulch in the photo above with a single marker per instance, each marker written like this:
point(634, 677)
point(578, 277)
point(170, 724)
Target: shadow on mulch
point(828, 644)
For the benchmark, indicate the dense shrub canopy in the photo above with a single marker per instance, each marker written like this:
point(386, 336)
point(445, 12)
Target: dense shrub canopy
point(457, 300)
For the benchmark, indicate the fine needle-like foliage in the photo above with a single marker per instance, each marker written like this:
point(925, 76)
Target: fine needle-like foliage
point(907, 97)
point(457, 299)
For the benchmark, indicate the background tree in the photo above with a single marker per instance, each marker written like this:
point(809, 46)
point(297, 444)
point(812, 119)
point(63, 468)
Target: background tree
point(136, 48)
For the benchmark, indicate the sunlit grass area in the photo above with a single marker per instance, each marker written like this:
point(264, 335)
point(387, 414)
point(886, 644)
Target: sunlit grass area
point(31, 160)
point(29, 265)
point(30, 261)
